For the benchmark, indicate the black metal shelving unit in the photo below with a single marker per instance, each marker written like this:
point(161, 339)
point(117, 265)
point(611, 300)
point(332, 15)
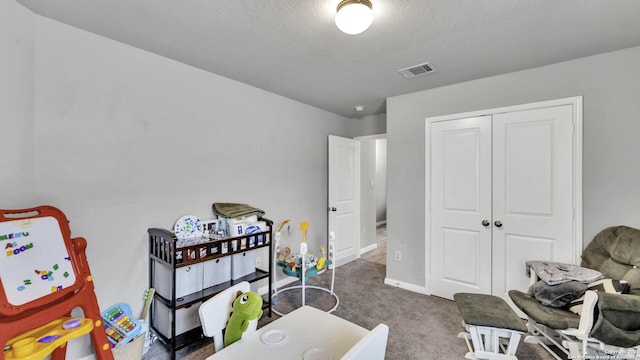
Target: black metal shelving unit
point(165, 250)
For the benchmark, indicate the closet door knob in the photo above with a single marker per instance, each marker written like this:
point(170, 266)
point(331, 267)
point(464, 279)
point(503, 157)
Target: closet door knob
point(498, 223)
point(486, 222)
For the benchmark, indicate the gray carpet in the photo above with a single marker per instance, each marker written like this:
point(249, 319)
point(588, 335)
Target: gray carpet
point(421, 327)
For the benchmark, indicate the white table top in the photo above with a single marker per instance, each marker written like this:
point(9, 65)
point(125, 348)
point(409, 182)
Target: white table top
point(306, 328)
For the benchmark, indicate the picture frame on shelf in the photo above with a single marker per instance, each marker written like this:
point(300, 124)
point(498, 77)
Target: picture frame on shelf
point(213, 229)
point(224, 247)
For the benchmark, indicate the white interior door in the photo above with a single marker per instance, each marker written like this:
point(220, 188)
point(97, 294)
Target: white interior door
point(532, 192)
point(344, 197)
point(461, 206)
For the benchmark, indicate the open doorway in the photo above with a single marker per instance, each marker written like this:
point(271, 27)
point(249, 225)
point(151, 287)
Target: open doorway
point(373, 198)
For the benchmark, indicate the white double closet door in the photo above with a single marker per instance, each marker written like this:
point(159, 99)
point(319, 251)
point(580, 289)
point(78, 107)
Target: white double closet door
point(501, 194)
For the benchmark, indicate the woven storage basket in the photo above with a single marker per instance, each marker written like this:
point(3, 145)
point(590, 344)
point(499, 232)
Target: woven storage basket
point(131, 351)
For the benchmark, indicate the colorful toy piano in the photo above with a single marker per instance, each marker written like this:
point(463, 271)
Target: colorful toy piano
point(120, 324)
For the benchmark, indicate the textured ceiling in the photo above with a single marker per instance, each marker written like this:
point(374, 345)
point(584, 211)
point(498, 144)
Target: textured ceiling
point(293, 48)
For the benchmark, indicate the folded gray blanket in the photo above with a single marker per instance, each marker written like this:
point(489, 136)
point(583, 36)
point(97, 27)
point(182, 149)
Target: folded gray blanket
point(554, 273)
point(231, 210)
point(559, 295)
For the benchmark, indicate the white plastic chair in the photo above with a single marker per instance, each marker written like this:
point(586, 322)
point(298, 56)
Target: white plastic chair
point(215, 312)
point(371, 347)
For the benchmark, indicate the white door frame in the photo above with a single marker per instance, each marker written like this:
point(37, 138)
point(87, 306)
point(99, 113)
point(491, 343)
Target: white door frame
point(576, 102)
point(361, 139)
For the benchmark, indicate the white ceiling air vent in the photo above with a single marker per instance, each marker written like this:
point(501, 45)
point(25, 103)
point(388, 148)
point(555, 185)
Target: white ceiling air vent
point(416, 70)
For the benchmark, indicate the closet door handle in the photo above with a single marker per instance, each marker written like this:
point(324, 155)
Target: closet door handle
point(498, 223)
point(486, 222)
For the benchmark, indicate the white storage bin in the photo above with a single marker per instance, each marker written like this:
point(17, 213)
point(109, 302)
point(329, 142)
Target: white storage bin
point(188, 280)
point(256, 227)
point(246, 219)
point(186, 318)
point(243, 264)
point(238, 226)
point(216, 271)
point(263, 225)
point(237, 229)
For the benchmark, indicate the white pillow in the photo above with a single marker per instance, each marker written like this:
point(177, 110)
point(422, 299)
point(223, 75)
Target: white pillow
point(605, 285)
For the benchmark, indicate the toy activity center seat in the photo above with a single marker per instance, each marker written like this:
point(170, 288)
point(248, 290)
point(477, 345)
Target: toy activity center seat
point(304, 266)
point(44, 275)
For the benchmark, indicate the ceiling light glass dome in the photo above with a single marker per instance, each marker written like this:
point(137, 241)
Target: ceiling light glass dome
point(354, 16)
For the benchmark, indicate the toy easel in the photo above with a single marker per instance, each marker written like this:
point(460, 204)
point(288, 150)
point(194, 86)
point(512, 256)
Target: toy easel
point(44, 275)
point(304, 271)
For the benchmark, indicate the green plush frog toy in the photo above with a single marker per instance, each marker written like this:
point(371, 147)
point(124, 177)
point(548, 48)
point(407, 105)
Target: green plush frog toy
point(246, 307)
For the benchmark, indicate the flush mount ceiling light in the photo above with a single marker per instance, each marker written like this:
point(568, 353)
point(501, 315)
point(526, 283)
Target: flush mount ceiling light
point(354, 16)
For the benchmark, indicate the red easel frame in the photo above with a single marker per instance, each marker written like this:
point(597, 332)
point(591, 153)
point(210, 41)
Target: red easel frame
point(15, 320)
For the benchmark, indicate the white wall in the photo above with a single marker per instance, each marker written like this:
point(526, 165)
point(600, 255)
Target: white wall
point(369, 125)
point(372, 177)
point(122, 140)
point(610, 84)
point(374, 126)
point(373, 182)
point(16, 102)
point(367, 193)
point(373, 186)
point(381, 180)
point(126, 140)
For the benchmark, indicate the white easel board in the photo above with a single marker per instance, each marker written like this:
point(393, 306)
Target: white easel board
point(34, 261)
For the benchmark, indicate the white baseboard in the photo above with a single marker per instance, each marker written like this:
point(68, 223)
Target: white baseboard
point(366, 249)
point(381, 222)
point(406, 286)
point(282, 283)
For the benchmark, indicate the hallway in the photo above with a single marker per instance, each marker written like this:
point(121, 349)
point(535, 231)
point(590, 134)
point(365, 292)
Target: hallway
point(379, 255)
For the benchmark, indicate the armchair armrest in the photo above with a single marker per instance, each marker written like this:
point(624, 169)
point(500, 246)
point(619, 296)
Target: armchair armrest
point(587, 316)
point(617, 321)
